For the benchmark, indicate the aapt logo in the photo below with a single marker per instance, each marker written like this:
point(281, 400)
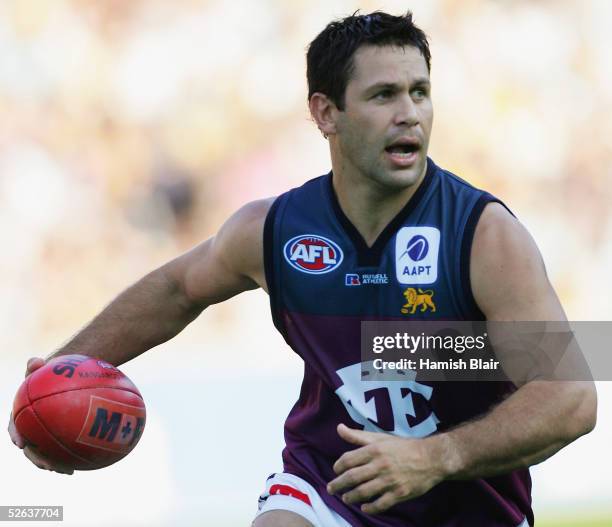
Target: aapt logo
point(313, 254)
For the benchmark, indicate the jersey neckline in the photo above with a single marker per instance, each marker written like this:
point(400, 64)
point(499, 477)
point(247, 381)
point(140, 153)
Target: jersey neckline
point(370, 256)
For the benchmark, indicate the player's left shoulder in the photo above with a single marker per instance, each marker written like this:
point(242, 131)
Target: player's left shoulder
point(507, 272)
point(502, 241)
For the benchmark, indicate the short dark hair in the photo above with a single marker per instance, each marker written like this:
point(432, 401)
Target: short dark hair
point(329, 60)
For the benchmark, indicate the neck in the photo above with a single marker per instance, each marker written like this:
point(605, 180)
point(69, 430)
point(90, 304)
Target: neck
point(369, 206)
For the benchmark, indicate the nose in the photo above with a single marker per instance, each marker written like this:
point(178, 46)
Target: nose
point(406, 112)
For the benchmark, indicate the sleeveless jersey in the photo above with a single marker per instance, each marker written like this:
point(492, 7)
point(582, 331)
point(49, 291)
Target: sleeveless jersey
point(323, 280)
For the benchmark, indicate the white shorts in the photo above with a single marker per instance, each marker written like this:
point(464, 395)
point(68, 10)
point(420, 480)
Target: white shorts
point(287, 492)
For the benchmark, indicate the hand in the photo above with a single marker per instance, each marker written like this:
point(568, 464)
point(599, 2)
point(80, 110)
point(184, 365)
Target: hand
point(386, 467)
point(30, 451)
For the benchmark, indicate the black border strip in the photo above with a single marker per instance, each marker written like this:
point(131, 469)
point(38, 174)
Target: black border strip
point(270, 264)
point(466, 249)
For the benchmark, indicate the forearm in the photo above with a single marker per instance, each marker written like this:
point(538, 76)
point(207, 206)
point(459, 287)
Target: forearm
point(525, 429)
point(148, 313)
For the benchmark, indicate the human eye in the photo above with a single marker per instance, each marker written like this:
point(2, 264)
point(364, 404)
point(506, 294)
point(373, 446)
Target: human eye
point(383, 95)
point(420, 93)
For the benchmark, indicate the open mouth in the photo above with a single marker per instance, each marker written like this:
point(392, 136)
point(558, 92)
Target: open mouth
point(403, 149)
point(403, 152)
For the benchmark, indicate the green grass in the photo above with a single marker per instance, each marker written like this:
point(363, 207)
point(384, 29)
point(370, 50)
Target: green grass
point(575, 521)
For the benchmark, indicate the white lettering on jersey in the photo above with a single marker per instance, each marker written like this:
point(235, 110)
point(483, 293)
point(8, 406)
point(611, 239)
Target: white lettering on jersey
point(353, 392)
point(310, 253)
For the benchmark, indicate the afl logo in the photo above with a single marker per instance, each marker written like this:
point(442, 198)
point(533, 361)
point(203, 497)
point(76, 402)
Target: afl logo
point(417, 248)
point(313, 254)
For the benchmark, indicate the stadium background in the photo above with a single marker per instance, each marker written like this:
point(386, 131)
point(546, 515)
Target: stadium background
point(130, 130)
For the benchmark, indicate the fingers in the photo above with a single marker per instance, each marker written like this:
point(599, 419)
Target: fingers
point(28, 450)
point(352, 478)
point(366, 491)
point(16, 437)
point(33, 364)
point(386, 501)
point(366, 483)
point(358, 437)
point(43, 463)
point(352, 459)
point(35, 458)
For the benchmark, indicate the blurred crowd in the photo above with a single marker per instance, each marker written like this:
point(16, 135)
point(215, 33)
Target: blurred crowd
point(131, 129)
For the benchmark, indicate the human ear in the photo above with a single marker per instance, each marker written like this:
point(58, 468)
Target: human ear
point(323, 112)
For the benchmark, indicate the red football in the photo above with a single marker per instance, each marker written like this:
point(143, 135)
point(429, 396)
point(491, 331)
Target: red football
point(81, 411)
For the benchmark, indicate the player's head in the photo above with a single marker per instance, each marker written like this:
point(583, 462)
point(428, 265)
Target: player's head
point(369, 92)
point(330, 57)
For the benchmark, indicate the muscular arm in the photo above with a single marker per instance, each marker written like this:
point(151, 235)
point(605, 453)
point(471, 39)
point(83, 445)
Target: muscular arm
point(510, 284)
point(165, 301)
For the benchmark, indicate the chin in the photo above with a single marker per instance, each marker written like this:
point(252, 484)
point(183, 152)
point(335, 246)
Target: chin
point(399, 178)
point(403, 178)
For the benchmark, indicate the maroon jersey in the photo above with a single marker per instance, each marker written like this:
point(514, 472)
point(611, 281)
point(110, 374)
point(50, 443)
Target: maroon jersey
point(324, 281)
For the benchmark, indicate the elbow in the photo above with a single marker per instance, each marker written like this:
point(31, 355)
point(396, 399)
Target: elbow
point(582, 417)
point(589, 416)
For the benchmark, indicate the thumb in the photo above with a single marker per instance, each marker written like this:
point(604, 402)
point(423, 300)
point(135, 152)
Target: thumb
point(357, 437)
point(33, 364)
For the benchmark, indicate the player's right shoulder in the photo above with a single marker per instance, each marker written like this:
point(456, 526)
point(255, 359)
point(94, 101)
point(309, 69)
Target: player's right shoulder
point(240, 239)
point(246, 222)
point(238, 245)
point(230, 262)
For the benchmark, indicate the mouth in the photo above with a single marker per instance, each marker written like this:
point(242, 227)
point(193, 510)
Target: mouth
point(403, 152)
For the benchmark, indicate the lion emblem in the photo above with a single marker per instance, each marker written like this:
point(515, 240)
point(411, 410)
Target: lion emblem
point(415, 299)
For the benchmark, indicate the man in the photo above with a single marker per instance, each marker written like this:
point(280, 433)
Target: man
point(327, 254)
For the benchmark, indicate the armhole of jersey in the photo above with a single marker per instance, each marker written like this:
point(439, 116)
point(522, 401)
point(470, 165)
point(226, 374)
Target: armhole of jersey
point(466, 250)
point(270, 264)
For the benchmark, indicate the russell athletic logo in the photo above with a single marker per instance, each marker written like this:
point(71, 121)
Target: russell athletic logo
point(351, 280)
point(313, 254)
point(416, 255)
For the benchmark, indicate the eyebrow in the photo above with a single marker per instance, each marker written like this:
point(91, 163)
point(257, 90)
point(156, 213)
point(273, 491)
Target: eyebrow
point(394, 86)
